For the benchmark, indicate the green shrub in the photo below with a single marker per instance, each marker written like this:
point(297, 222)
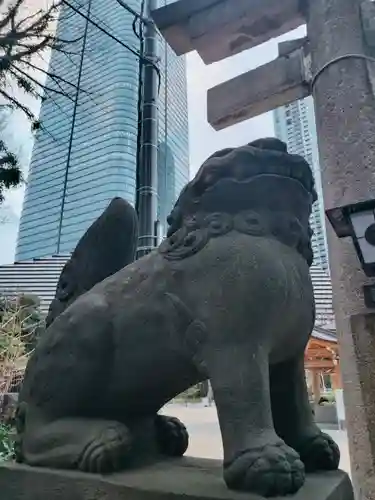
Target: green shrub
point(6, 442)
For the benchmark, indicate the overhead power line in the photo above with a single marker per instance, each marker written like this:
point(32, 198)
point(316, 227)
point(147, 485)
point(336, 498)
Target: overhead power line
point(147, 140)
point(135, 13)
point(103, 30)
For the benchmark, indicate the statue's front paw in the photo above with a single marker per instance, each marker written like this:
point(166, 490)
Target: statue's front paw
point(172, 436)
point(320, 453)
point(273, 470)
point(107, 450)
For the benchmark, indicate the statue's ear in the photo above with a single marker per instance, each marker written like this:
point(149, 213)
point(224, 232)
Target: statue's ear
point(270, 143)
point(107, 246)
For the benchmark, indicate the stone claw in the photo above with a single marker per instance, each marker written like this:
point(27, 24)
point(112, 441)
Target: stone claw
point(274, 470)
point(172, 436)
point(107, 451)
point(320, 453)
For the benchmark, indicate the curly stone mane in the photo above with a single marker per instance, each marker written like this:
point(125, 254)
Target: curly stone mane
point(263, 156)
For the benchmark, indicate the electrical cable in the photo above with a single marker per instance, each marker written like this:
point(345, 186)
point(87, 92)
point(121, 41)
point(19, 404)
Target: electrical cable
point(140, 16)
point(143, 20)
point(147, 62)
point(100, 28)
point(139, 35)
point(134, 27)
point(48, 96)
point(74, 117)
point(338, 59)
point(103, 23)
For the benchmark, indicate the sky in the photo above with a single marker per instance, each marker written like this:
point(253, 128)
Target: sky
point(204, 140)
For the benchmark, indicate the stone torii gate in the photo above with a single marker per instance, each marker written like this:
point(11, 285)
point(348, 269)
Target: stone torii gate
point(335, 64)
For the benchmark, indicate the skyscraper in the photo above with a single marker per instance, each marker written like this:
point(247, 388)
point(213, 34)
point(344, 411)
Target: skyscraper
point(295, 125)
point(85, 152)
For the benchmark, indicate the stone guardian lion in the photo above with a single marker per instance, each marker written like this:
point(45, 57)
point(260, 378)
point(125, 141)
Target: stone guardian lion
point(227, 296)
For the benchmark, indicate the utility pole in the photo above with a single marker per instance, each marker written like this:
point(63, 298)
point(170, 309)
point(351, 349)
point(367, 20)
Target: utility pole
point(333, 63)
point(147, 158)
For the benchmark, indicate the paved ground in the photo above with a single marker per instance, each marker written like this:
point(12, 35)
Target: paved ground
point(205, 440)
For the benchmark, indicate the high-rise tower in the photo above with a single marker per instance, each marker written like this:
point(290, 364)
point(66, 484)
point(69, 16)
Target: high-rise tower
point(295, 125)
point(85, 152)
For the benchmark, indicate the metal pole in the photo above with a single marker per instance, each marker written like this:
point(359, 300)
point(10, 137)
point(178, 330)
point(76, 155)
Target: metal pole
point(146, 197)
point(345, 120)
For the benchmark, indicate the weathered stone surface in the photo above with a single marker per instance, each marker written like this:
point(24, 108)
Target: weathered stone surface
point(258, 91)
point(108, 245)
point(345, 124)
point(227, 296)
point(221, 28)
point(188, 478)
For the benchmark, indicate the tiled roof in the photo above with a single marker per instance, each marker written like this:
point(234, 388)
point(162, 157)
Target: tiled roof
point(40, 276)
point(37, 277)
point(323, 333)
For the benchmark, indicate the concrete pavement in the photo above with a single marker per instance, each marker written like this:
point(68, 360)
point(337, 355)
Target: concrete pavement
point(204, 432)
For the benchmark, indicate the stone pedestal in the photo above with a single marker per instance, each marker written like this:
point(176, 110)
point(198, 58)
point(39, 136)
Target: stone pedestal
point(187, 479)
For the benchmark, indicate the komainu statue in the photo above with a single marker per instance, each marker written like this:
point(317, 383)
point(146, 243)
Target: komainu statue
point(227, 296)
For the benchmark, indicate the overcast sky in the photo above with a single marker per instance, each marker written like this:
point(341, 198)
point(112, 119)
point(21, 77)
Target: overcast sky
point(203, 139)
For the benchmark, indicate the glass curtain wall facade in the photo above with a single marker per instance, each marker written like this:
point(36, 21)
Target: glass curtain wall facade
point(85, 152)
point(173, 151)
point(295, 125)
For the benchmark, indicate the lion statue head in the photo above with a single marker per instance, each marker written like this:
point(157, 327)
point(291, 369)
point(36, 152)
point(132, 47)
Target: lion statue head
point(260, 176)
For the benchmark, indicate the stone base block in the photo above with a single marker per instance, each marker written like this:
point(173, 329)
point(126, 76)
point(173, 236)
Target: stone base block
point(184, 479)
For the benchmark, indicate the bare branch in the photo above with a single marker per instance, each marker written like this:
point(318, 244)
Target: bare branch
point(53, 76)
point(29, 89)
point(15, 103)
point(6, 60)
point(21, 39)
point(28, 18)
point(25, 85)
point(12, 11)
